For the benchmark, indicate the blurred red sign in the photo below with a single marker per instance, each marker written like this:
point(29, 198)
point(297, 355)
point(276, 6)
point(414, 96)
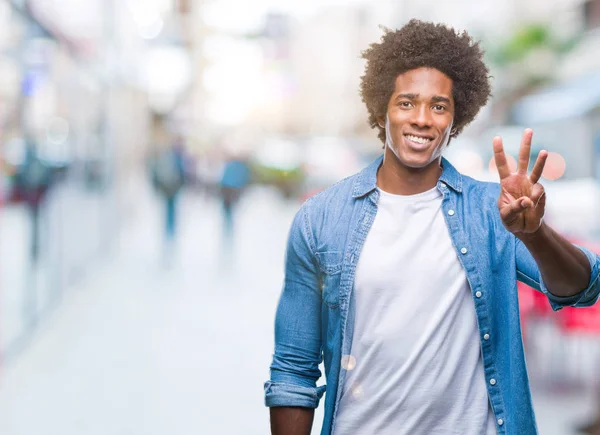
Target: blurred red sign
point(570, 320)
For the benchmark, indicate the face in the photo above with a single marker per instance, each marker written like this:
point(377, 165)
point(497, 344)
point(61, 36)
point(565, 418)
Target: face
point(419, 120)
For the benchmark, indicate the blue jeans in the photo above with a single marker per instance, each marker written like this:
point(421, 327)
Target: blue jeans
point(171, 217)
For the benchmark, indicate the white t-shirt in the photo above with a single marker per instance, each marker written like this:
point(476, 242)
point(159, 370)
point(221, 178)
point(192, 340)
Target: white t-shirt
point(415, 365)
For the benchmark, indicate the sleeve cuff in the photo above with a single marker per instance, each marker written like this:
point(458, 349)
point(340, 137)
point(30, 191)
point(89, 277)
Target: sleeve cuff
point(280, 394)
point(584, 298)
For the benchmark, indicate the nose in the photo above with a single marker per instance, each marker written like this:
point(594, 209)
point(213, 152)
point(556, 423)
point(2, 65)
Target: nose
point(422, 117)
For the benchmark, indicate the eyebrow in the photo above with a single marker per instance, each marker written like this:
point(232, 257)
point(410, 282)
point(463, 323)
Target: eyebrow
point(435, 98)
point(407, 96)
point(440, 99)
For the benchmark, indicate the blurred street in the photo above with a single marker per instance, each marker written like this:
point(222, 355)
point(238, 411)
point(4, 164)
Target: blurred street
point(154, 152)
point(137, 348)
point(67, 239)
point(141, 349)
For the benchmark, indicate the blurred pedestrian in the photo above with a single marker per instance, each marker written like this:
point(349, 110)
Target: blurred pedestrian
point(234, 179)
point(168, 176)
point(402, 278)
point(32, 181)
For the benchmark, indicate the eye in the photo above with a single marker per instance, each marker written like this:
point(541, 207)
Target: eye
point(405, 104)
point(439, 107)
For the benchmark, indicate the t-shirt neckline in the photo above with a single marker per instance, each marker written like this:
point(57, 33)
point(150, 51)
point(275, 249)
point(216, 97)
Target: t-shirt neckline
point(428, 195)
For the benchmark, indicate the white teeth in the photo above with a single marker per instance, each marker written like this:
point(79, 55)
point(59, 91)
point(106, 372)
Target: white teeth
point(417, 139)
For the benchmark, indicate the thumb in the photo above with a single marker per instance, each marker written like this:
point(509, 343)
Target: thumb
point(511, 211)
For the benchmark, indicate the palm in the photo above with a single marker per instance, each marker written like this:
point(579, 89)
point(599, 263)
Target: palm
point(522, 200)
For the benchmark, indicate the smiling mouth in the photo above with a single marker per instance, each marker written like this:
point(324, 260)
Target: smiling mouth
point(418, 139)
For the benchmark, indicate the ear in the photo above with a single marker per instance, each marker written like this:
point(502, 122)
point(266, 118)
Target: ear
point(381, 122)
point(452, 132)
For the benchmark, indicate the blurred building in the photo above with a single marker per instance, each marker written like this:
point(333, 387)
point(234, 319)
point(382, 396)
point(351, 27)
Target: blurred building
point(565, 112)
point(74, 86)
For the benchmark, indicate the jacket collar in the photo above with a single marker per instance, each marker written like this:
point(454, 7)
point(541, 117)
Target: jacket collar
point(366, 181)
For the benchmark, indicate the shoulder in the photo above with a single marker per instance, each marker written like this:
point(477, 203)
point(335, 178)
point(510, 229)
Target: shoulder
point(481, 200)
point(326, 216)
point(480, 190)
point(340, 192)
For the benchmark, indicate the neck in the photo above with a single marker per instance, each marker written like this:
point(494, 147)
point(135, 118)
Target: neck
point(398, 179)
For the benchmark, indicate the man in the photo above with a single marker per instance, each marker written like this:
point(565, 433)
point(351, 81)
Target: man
point(234, 179)
point(402, 278)
point(33, 180)
point(168, 177)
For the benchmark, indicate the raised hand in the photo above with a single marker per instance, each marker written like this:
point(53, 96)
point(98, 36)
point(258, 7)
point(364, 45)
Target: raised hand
point(522, 199)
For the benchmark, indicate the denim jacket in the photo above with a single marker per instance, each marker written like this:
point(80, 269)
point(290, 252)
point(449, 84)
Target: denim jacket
point(315, 315)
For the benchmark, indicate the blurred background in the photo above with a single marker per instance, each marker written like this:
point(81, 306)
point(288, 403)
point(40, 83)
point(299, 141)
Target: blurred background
point(154, 152)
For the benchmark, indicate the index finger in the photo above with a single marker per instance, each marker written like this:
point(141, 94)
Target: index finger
point(525, 151)
point(500, 158)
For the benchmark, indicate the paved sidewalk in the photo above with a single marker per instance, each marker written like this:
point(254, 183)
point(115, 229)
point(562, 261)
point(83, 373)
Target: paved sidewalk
point(71, 235)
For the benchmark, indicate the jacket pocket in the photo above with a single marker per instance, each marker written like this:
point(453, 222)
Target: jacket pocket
point(330, 263)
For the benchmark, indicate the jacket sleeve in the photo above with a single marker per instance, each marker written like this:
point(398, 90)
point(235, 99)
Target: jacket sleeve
point(528, 273)
point(298, 350)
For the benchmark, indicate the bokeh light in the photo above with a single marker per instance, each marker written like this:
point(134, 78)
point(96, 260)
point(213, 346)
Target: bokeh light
point(348, 362)
point(512, 164)
point(357, 391)
point(555, 166)
point(57, 130)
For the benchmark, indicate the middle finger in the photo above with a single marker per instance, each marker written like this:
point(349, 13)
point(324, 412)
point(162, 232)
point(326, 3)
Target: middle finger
point(525, 151)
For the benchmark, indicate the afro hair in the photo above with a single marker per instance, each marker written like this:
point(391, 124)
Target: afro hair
point(423, 44)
